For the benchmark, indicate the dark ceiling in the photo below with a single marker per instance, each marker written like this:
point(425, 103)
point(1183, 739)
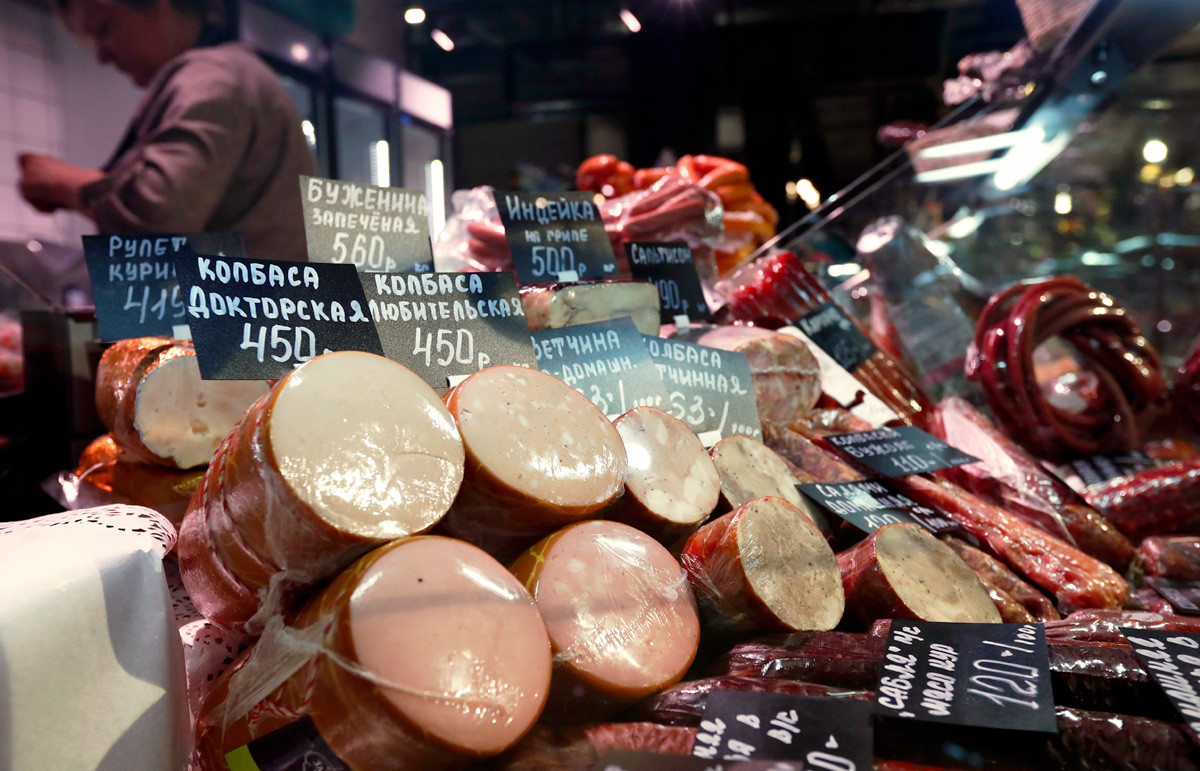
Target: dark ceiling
point(810, 80)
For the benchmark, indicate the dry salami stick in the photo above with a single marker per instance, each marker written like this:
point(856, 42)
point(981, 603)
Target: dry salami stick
point(1075, 579)
point(991, 571)
point(1011, 478)
point(1151, 502)
point(1175, 557)
point(683, 703)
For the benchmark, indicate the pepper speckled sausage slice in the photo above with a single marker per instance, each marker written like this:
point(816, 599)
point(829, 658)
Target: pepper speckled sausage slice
point(748, 469)
point(539, 456)
point(671, 485)
point(901, 571)
point(621, 617)
point(426, 653)
point(764, 567)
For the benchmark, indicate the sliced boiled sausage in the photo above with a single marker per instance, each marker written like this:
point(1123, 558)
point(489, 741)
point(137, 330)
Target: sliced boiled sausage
point(764, 567)
point(621, 617)
point(150, 396)
point(902, 571)
point(426, 654)
point(671, 485)
point(540, 456)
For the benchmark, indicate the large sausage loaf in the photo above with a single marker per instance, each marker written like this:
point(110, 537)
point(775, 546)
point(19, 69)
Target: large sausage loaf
point(426, 653)
point(621, 617)
point(346, 452)
point(540, 456)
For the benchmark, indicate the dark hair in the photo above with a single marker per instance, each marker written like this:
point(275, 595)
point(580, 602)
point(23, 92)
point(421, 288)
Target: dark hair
point(214, 14)
point(200, 7)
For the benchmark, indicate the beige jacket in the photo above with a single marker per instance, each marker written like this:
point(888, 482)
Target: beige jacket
point(215, 145)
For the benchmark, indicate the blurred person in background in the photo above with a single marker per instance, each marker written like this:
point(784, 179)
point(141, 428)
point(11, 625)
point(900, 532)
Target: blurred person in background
point(215, 143)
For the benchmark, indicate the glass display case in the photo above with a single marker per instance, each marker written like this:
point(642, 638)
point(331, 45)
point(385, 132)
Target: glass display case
point(1083, 161)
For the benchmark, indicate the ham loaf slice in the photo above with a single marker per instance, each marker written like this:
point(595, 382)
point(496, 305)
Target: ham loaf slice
point(749, 469)
point(622, 619)
point(426, 654)
point(671, 486)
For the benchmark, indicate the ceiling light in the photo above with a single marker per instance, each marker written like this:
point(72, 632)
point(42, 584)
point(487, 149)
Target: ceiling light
point(300, 52)
point(1062, 202)
point(630, 20)
point(414, 15)
point(808, 193)
point(1155, 151)
point(442, 39)
point(381, 164)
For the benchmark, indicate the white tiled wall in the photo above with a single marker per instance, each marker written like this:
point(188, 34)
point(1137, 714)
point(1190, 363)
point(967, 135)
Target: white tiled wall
point(31, 116)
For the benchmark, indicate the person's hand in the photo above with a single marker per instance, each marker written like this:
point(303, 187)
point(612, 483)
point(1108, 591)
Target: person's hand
point(50, 183)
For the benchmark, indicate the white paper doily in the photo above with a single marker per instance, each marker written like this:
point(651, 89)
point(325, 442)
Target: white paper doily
point(153, 530)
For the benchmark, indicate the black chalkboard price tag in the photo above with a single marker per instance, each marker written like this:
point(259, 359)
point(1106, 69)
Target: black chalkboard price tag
point(709, 389)
point(671, 268)
point(824, 733)
point(444, 325)
point(606, 361)
point(897, 452)
point(1093, 470)
point(985, 675)
point(133, 279)
point(258, 319)
point(556, 236)
point(831, 329)
point(873, 503)
point(373, 228)
point(296, 745)
point(1173, 660)
point(632, 760)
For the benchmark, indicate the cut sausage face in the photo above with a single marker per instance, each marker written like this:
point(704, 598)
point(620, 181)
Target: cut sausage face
point(901, 571)
point(539, 439)
point(617, 606)
point(386, 463)
point(183, 418)
point(789, 566)
point(930, 579)
point(670, 474)
point(564, 305)
point(748, 469)
point(460, 637)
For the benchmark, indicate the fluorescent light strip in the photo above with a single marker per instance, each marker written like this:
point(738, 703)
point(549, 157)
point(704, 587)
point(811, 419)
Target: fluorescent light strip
point(961, 171)
point(980, 144)
point(435, 197)
point(381, 164)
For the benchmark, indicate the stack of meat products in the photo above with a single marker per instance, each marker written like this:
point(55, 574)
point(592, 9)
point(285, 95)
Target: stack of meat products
point(317, 546)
